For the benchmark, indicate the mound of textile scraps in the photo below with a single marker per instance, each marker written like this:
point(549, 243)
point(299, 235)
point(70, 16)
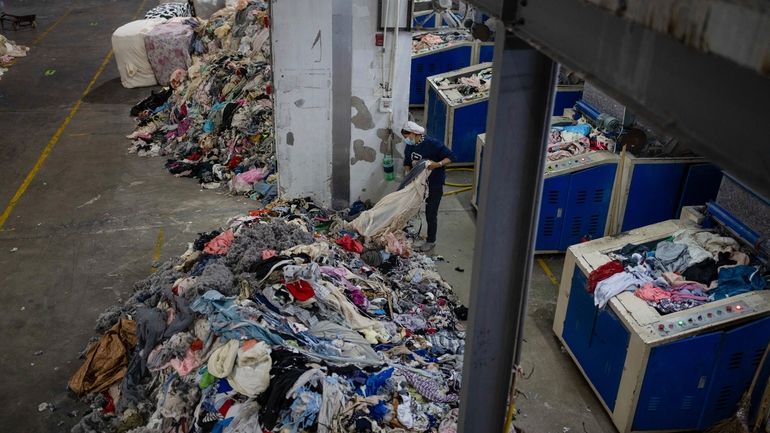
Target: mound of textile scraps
point(214, 122)
point(9, 51)
point(282, 321)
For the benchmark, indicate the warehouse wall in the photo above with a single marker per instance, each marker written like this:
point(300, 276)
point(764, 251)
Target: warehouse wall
point(308, 86)
point(367, 180)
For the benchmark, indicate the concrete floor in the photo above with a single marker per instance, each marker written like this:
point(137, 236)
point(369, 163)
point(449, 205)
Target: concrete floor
point(94, 219)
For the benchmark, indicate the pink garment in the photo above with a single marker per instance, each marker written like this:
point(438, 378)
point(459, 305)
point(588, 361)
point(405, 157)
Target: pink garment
point(396, 246)
point(242, 182)
point(650, 293)
point(186, 365)
point(220, 245)
point(676, 280)
point(253, 175)
point(268, 254)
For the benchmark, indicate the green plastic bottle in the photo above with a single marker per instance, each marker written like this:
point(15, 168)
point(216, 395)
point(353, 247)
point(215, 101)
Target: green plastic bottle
point(387, 166)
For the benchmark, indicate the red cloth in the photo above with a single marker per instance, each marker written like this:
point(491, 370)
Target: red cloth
point(196, 345)
point(268, 254)
point(602, 273)
point(221, 244)
point(234, 161)
point(350, 244)
point(301, 290)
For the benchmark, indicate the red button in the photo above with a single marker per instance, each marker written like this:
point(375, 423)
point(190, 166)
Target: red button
point(710, 315)
point(661, 327)
point(729, 308)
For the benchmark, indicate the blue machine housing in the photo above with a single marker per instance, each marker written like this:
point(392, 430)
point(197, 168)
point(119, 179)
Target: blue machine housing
point(574, 206)
point(440, 117)
point(486, 52)
point(677, 372)
point(656, 189)
point(436, 62)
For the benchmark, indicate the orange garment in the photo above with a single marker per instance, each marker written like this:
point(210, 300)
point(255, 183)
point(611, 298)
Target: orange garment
point(107, 360)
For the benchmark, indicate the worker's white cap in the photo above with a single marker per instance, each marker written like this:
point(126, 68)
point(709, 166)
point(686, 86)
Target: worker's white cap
point(413, 127)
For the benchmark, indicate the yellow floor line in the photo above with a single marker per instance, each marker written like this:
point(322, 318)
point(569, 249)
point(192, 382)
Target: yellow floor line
point(548, 273)
point(55, 138)
point(157, 249)
point(42, 36)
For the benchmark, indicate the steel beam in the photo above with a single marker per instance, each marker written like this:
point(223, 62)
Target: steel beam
point(714, 106)
point(521, 100)
point(342, 92)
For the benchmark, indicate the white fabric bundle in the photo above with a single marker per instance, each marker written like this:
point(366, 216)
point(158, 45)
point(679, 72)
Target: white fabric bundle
point(394, 211)
point(131, 54)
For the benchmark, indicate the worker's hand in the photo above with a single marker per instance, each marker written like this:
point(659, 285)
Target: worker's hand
point(434, 165)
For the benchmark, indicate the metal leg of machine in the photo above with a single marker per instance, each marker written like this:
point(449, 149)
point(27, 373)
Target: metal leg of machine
point(520, 107)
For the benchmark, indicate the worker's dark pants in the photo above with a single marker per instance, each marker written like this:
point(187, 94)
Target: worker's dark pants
point(431, 211)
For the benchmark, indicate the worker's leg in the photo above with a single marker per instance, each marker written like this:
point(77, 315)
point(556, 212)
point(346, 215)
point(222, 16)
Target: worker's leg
point(431, 212)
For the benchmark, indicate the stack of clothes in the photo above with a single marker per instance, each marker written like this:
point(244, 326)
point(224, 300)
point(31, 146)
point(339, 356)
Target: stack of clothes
point(570, 140)
point(215, 120)
point(282, 321)
point(423, 42)
point(691, 268)
point(466, 88)
point(9, 52)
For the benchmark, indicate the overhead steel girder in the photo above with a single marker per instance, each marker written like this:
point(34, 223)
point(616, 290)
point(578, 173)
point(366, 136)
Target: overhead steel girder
point(714, 106)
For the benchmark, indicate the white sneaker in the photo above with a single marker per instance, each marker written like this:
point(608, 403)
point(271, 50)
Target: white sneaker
point(427, 247)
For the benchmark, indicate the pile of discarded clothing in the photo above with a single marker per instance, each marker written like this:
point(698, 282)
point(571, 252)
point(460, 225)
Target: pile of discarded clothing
point(691, 268)
point(215, 120)
point(9, 52)
point(423, 42)
point(466, 88)
point(570, 140)
point(283, 321)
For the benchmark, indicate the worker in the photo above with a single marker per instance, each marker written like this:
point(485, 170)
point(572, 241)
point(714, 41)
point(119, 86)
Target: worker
point(420, 147)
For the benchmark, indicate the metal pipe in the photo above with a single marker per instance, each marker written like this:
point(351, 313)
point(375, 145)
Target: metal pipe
point(520, 106)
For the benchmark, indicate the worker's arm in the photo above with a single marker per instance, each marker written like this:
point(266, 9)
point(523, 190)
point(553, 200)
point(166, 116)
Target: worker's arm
point(407, 169)
point(442, 163)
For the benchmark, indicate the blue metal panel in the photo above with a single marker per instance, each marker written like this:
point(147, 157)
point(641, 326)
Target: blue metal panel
point(553, 204)
point(597, 339)
point(588, 204)
point(437, 115)
point(435, 63)
point(740, 353)
point(701, 185)
point(674, 386)
point(565, 99)
point(422, 22)
point(486, 53)
point(654, 193)
point(468, 122)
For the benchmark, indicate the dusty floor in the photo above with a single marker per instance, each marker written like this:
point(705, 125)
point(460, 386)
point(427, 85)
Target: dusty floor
point(94, 219)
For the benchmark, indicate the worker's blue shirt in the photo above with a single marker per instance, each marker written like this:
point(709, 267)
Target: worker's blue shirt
point(432, 150)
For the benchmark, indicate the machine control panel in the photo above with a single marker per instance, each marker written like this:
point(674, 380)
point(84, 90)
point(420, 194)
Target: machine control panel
point(708, 316)
point(578, 162)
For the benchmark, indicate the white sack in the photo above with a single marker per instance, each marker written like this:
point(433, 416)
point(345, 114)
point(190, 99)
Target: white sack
point(394, 211)
point(131, 55)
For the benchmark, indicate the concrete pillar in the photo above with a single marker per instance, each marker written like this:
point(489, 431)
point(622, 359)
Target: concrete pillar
point(331, 136)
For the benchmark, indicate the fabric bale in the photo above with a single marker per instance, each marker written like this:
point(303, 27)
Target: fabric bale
point(131, 54)
point(168, 49)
